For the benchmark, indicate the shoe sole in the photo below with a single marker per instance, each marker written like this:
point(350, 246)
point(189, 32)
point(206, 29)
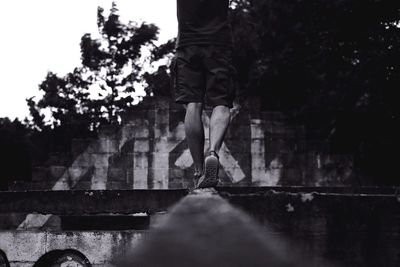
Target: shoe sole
point(210, 173)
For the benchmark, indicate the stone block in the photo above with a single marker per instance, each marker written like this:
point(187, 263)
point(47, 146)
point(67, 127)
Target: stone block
point(257, 131)
point(159, 157)
point(235, 173)
point(140, 178)
point(292, 177)
point(161, 130)
point(141, 146)
point(118, 185)
point(238, 146)
point(88, 244)
point(83, 160)
point(23, 246)
point(279, 131)
point(127, 146)
point(140, 160)
point(57, 158)
point(139, 130)
point(239, 133)
point(289, 160)
point(257, 146)
point(176, 174)
point(83, 185)
point(175, 185)
point(104, 146)
point(135, 117)
point(280, 145)
point(87, 160)
point(273, 116)
point(116, 174)
point(55, 172)
point(175, 106)
point(101, 160)
point(40, 174)
point(74, 174)
point(79, 145)
point(161, 103)
point(108, 131)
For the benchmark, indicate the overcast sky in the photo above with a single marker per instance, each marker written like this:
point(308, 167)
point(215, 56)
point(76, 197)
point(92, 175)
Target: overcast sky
point(44, 35)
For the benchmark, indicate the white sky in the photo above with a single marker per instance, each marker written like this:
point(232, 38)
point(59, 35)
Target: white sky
point(44, 35)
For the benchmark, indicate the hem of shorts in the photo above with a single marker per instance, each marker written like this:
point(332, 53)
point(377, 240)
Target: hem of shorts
point(220, 103)
point(208, 104)
point(187, 101)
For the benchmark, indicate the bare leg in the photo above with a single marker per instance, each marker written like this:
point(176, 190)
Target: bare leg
point(195, 134)
point(219, 122)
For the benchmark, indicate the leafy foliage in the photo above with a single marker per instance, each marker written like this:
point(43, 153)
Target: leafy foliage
point(95, 93)
point(333, 65)
point(103, 87)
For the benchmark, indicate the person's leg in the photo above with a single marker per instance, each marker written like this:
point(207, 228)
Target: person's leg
point(219, 123)
point(195, 134)
point(219, 94)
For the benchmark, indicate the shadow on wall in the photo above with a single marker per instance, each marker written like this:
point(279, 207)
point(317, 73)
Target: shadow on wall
point(3, 259)
point(61, 257)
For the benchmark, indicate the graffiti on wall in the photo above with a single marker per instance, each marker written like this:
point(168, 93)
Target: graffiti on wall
point(150, 152)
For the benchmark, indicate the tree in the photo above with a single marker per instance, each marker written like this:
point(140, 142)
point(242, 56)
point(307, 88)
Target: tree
point(104, 86)
point(97, 92)
point(333, 65)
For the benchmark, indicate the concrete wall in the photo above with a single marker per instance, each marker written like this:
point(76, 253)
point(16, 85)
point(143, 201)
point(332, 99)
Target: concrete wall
point(24, 248)
point(149, 151)
point(349, 229)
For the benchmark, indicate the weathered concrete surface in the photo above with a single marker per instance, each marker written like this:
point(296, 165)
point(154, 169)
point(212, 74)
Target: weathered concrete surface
point(345, 228)
point(136, 201)
point(339, 190)
point(149, 151)
point(205, 230)
point(24, 248)
point(349, 226)
point(89, 202)
point(3, 259)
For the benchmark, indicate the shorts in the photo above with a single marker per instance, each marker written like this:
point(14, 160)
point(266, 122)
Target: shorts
point(203, 74)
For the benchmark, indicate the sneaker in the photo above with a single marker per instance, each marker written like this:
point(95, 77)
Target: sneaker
point(196, 177)
point(210, 177)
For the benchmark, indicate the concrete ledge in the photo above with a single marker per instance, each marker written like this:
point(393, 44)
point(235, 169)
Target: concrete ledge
point(330, 190)
point(89, 202)
point(150, 201)
point(205, 230)
point(345, 228)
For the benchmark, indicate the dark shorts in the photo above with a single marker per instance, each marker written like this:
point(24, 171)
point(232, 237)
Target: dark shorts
point(203, 73)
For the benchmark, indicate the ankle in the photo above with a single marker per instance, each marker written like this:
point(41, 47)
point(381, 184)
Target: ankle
point(213, 153)
point(198, 172)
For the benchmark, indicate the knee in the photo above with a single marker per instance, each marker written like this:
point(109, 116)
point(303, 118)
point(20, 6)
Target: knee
point(221, 110)
point(194, 107)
